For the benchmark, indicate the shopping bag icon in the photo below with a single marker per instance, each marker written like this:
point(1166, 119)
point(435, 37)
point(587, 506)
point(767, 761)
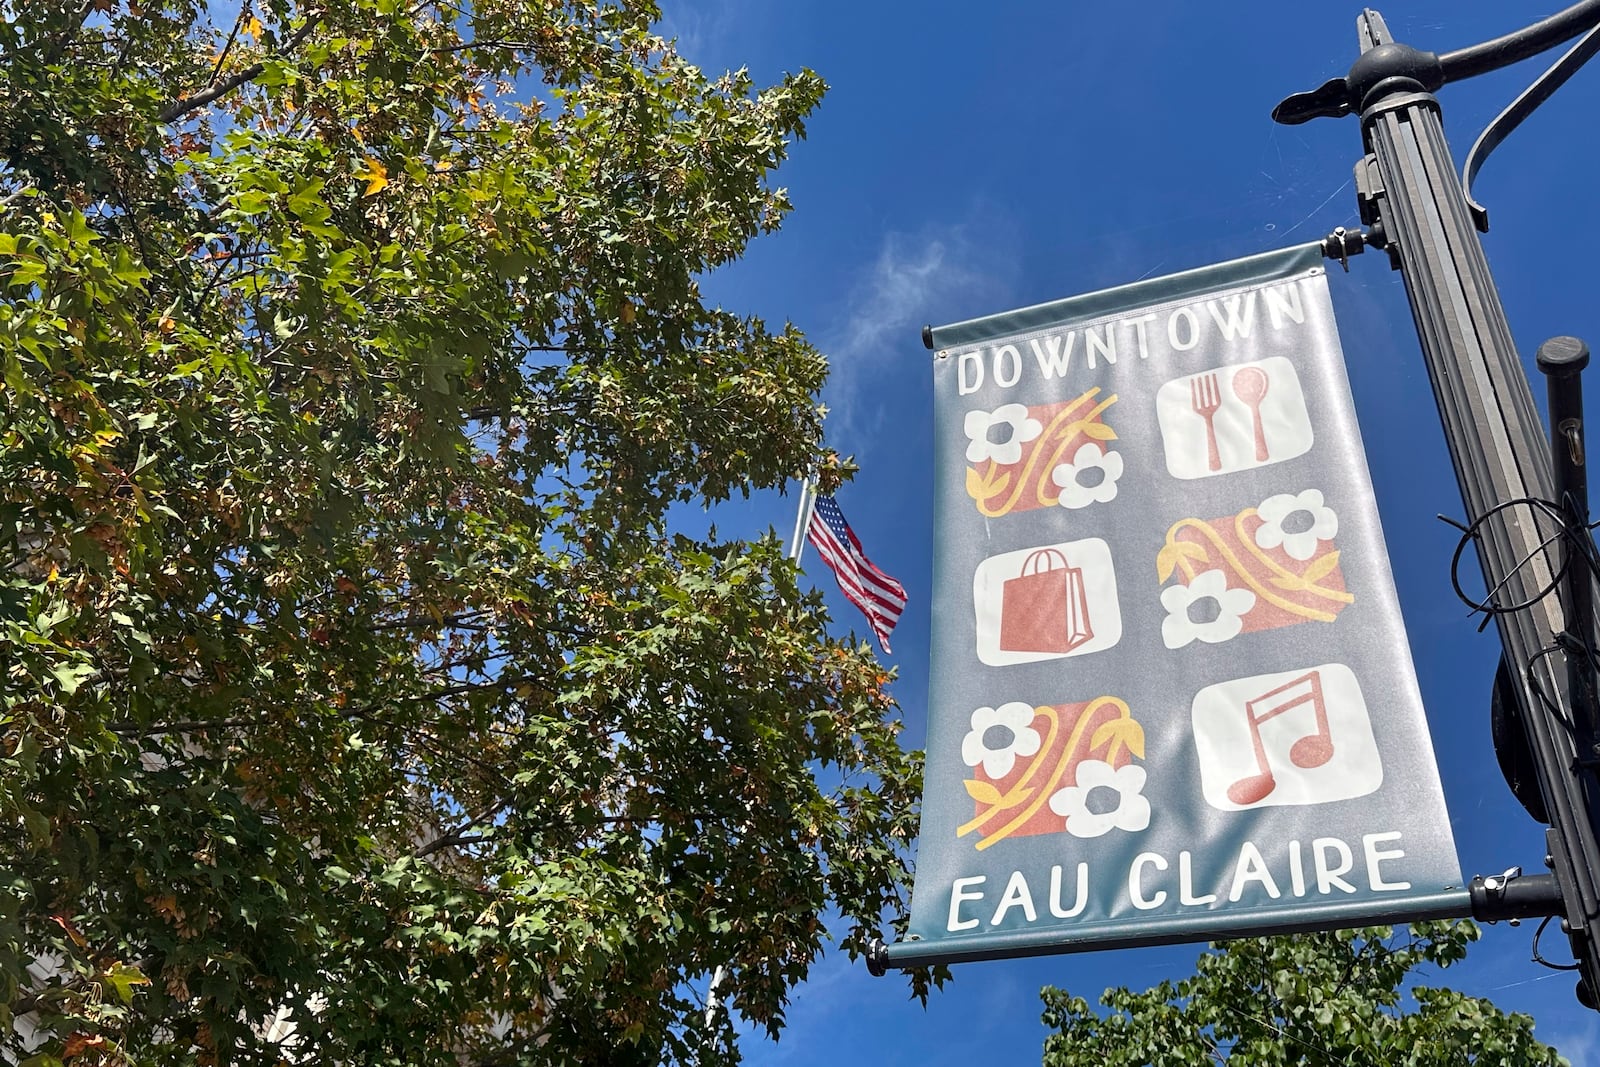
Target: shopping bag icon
point(1044, 608)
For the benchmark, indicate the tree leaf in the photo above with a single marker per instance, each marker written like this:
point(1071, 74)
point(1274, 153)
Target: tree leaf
point(375, 174)
point(123, 980)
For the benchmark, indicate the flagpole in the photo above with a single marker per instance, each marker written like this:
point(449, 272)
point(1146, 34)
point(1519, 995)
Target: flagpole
point(712, 1003)
point(797, 544)
point(802, 519)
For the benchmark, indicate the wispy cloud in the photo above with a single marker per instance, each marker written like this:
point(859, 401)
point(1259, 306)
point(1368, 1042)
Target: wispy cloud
point(939, 274)
point(701, 30)
point(1580, 1044)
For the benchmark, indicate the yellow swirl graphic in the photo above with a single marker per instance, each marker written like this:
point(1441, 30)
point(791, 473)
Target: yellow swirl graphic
point(1238, 567)
point(993, 481)
point(1063, 761)
point(1250, 545)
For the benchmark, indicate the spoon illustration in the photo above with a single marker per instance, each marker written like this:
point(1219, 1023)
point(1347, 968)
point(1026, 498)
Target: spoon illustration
point(1250, 386)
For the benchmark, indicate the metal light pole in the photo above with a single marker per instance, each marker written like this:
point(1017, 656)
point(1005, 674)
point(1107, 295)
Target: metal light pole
point(1532, 545)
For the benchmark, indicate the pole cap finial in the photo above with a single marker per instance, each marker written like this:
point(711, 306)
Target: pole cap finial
point(1563, 355)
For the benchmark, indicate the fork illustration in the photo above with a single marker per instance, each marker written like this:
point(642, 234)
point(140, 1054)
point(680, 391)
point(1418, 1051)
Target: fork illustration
point(1205, 397)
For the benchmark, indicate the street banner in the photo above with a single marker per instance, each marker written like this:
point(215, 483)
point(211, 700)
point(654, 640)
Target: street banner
point(1171, 697)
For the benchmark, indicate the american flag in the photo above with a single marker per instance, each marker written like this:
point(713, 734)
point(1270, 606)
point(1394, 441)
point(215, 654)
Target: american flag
point(879, 596)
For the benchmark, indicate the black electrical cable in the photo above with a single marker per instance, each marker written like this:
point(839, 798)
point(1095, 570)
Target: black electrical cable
point(1536, 687)
point(1469, 534)
point(1540, 959)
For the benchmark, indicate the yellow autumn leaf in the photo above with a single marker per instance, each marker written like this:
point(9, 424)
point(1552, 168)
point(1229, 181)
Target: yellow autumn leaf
point(251, 28)
point(982, 792)
point(375, 174)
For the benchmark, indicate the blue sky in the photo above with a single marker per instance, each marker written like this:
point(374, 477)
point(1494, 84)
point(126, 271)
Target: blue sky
point(972, 158)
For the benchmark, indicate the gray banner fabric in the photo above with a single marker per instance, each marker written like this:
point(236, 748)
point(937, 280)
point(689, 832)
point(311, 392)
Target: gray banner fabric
point(1171, 696)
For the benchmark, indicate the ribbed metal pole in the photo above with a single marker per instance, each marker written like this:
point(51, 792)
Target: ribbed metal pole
point(1497, 445)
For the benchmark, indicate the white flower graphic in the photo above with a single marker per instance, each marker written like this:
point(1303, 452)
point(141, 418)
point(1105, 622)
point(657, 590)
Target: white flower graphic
point(1205, 609)
point(1132, 812)
point(998, 736)
point(1018, 429)
point(1078, 492)
point(1300, 544)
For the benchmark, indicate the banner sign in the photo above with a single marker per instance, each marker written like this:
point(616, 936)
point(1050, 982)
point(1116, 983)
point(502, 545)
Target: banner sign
point(1171, 697)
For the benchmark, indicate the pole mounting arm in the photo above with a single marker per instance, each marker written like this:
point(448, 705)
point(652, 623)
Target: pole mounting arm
point(1519, 109)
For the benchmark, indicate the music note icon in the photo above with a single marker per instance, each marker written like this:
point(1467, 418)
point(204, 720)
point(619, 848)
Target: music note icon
point(1288, 738)
point(1312, 750)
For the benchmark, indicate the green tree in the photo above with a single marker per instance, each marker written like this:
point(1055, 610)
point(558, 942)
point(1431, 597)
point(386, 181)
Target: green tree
point(1324, 998)
point(352, 682)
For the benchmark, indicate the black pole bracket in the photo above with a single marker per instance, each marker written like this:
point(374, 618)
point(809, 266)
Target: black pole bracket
point(1519, 109)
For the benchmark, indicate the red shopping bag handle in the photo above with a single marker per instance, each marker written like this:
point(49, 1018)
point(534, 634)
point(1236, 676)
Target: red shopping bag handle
point(1050, 556)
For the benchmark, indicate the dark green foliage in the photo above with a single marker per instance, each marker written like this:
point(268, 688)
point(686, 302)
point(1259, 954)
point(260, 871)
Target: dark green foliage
point(351, 358)
point(1314, 999)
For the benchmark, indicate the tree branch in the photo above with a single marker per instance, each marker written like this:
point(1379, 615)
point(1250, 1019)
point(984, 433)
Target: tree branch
point(23, 191)
point(522, 46)
point(222, 57)
point(190, 727)
point(36, 1000)
point(460, 835)
point(219, 89)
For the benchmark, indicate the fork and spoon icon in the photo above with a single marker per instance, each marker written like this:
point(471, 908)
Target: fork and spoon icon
point(1249, 385)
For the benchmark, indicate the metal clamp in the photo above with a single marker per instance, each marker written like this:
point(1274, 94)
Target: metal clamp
point(1514, 896)
point(1341, 244)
